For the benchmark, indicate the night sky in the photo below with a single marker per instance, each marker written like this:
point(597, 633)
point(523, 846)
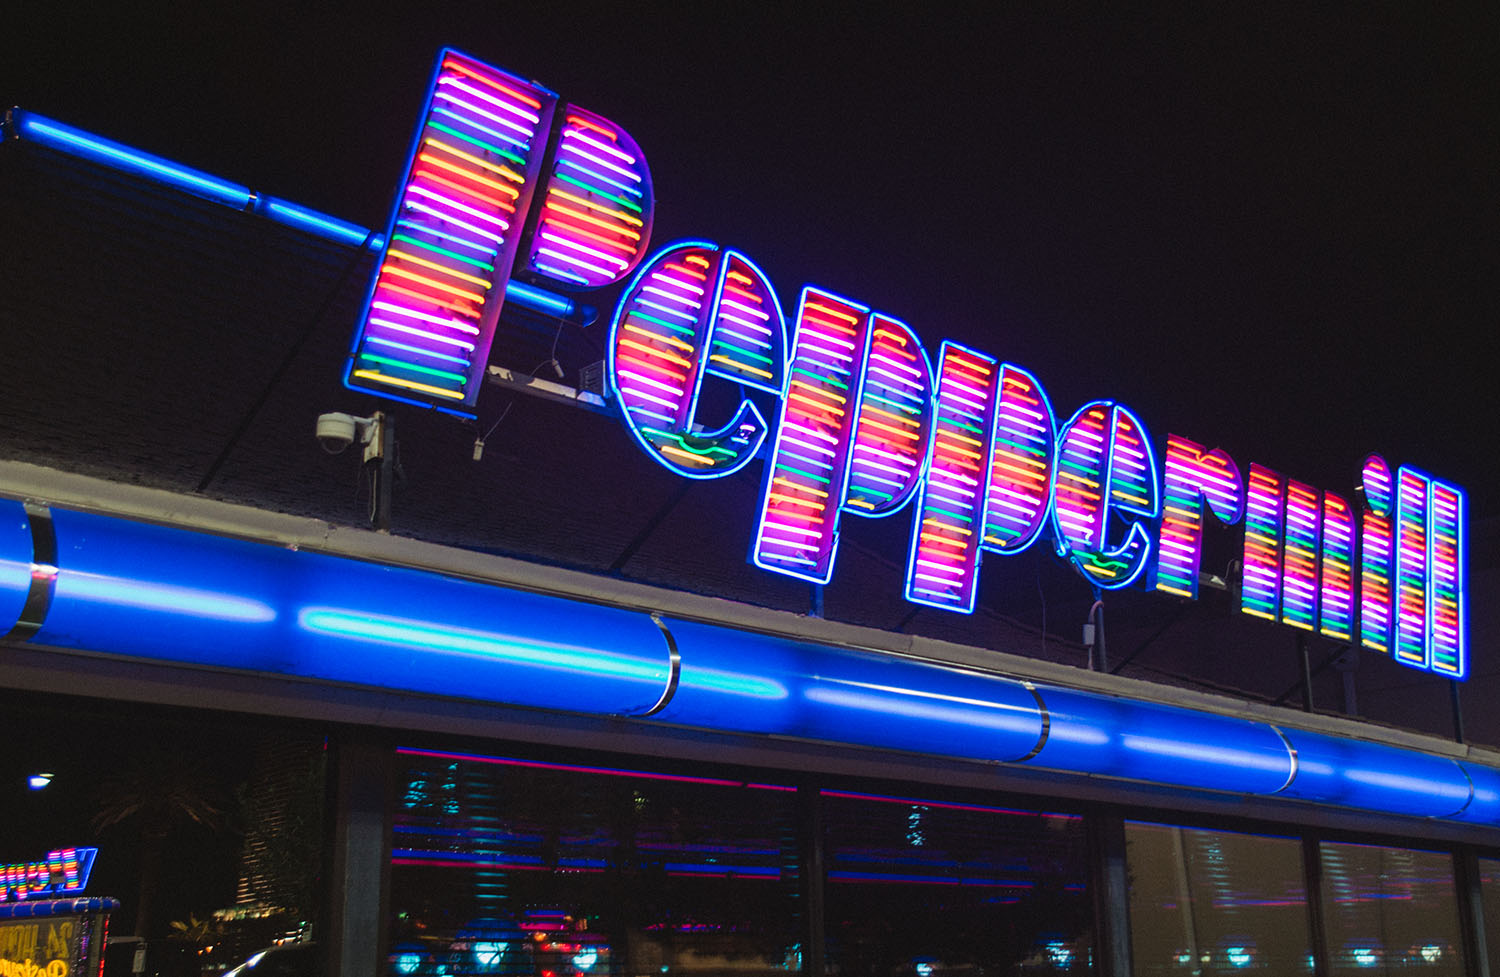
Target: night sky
point(1271, 232)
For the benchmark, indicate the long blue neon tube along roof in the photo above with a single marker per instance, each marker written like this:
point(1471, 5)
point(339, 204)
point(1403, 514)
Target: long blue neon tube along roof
point(158, 593)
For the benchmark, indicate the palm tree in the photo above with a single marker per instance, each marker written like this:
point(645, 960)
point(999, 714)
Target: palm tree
point(156, 791)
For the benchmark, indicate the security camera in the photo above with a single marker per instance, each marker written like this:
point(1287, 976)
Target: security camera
point(337, 431)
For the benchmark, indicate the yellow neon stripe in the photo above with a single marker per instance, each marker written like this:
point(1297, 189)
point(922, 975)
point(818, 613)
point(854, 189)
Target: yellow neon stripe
point(660, 336)
point(668, 449)
point(933, 521)
point(653, 351)
point(404, 256)
point(432, 300)
point(451, 289)
point(379, 377)
point(818, 390)
point(836, 313)
point(721, 358)
point(866, 422)
point(584, 202)
point(479, 161)
point(467, 175)
point(784, 481)
point(792, 500)
point(816, 405)
point(596, 221)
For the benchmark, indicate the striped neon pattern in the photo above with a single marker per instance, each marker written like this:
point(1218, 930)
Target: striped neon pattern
point(430, 318)
point(1376, 557)
point(1193, 478)
point(1260, 593)
point(942, 569)
point(692, 299)
point(808, 472)
point(595, 219)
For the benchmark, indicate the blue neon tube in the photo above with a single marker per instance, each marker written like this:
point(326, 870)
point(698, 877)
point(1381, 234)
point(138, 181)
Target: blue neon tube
point(15, 561)
point(159, 593)
point(754, 683)
point(127, 588)
point(121, 157)
point(1108, 736)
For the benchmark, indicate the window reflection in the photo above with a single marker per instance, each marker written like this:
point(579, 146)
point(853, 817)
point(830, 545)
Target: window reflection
point(1216, 902)
point(1390, 910)
point(924, 889)
point(1489, 888)
point(508, 867)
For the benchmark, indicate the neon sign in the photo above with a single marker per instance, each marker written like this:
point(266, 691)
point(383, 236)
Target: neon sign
point(504, 177)
point(62, 872)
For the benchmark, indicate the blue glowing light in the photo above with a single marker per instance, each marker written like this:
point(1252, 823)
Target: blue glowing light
point(80, 143)
point(308, 219)
point(170, 598)
point(39, 781)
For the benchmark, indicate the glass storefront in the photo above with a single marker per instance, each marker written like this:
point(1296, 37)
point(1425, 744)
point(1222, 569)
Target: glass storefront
point(509, 867)
point(1216, 902)
point(1390, 910)
point(924, 889)
point(506, 866)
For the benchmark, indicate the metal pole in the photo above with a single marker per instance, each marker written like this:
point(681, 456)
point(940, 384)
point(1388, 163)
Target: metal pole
point(1458, 710)
point(1307, 688)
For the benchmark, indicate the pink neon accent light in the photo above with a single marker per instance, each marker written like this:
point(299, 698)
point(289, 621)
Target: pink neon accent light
point(1192, 477)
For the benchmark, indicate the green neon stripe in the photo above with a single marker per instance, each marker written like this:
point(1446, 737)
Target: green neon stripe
point(949, 512)
point(478, 142)
point(452, 254)
point(590, 188)
point(783, 466)
point(661, 322)
point(402, 364)
point(820, 379)
point(740, 349)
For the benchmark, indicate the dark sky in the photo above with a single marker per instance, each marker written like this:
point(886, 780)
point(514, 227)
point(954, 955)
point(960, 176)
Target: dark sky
point(1270, 231)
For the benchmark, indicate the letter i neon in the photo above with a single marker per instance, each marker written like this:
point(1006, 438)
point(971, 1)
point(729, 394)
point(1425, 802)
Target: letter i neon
point(1450, 602)
point(1412, 609)
point(1376, 539)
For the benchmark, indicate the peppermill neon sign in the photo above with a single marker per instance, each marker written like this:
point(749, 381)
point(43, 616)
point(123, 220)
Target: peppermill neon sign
point(512, 196)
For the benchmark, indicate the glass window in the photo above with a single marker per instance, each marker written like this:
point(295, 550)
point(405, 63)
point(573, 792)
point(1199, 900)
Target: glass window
point(1390, 910)
point(924, 889)
point(511, 867)
point(1489, 887)
point(1216, 902)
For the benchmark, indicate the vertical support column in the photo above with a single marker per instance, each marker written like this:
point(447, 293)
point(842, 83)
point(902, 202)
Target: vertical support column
point(810, 823)
point(1306, 665)
point(1471, 913)
point(360, 871)
point(1317, 929)
point(1110, 886)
